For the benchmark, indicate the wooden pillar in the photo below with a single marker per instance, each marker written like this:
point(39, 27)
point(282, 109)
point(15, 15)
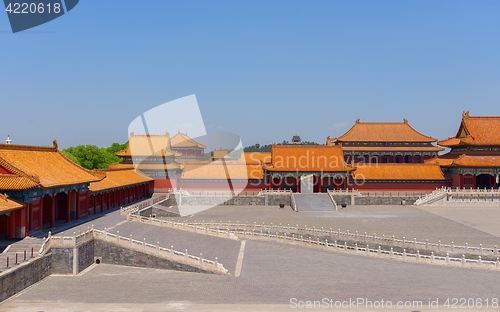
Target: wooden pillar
point(87, 207)
point(40, 212)
point(27, 220)
point(77, 205)
point(494, 181)
point(474, 184)
point(297, 184)
point(108, 197)
point(68, 207)
point(271, 182)
point(12, 224)
point(53, 211)
point(94, 204)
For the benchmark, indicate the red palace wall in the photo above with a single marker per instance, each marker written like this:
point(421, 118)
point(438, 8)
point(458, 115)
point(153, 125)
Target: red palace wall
point(164, 184)
point(399, 186)
point(221, 186)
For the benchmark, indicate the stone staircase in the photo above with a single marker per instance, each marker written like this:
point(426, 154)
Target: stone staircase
point(19, 247)
point(313, 202)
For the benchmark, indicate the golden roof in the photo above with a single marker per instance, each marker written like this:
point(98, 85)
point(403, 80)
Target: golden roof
point(145, 145)
point(463, 160)
point(218, 154)
point(7, 204)
point(181, 140)
point(392, 148)
point(256, 157)
point(43, 166)
point(219, 170)
point(476, 130)
point(307, 158)
point(398, 172)
point(381, 132)
point(16, 183)
point(116, 178)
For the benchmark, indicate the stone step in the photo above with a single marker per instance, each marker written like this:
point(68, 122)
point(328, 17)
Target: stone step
point(313, 202)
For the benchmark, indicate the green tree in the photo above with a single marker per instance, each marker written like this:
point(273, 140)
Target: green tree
point(93, 157)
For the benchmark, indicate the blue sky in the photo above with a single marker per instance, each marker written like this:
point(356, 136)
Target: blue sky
point(262, 69)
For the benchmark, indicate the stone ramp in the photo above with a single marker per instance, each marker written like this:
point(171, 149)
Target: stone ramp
point(313, 202)
point(19, 247)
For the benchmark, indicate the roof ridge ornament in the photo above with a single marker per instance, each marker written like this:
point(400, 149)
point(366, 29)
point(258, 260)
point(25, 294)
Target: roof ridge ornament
point(405, 121)
point(8, 141)
point(54, 144)
point(358, 121)
point(465, 113)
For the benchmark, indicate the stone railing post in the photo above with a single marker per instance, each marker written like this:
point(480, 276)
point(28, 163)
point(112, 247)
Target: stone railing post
point(426, 244)
point(201, 260)
point(452, 247)
point(130, 239)
point(439, 245)
point(447, 258)
point(391, 253)
point(117, 237)
point(403, 242)
point(186, 256)
point(418, 255)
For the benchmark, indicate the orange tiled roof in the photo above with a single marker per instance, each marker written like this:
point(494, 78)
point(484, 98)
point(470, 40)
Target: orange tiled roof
point(15, 182)
point(398, 172)
point(381, 132)
point(181, 140)
point(159, 166)
point(219, 154)
point(307, 158)
point(393, 148)
point(45, 166)
point(217, 171)
point(256, 157)
point(116, 178)
point(145, 145)
point(7, 204)
point(463, 160)
point(476, 130)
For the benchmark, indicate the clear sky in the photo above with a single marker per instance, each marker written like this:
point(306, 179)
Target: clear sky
point(262, 69)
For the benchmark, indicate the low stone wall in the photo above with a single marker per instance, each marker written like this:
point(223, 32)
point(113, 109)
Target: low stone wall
point(356, 199)
point(25, 275)
point(113, 254)
point(62, 260)
point(158, 213)
point(257, 200)
point(396, 200)
point(85, 255)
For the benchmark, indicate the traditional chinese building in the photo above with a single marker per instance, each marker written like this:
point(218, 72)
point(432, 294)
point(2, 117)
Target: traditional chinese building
point(152, 154)
point(121, 186)
point(323, 166)
point(397, 177)
point(50, 186)
point(474, 158)
point(187, 148)
point(385, 142)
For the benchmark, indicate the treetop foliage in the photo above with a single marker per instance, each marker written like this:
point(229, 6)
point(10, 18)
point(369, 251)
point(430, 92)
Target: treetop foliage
point(93, 157)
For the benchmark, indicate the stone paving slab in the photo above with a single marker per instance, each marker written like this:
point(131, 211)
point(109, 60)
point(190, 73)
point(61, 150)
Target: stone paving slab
point(272, 274)
point(408, 221)
point(226, 250)
point(485, 218)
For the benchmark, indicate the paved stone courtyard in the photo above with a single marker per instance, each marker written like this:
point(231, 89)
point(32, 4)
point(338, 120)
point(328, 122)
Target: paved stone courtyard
point(273, 273)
